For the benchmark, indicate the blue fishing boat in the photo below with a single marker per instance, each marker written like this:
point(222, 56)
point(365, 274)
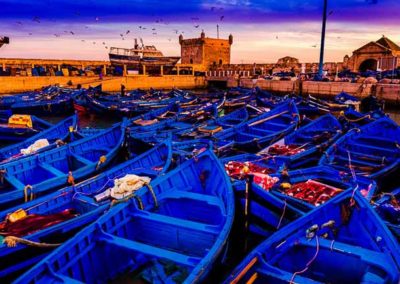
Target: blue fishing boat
point(326, 246)
point(187, 118)
point(265, 213)
point(388, 208)
point(37, 175)
point(261, 131)
point(19, 127)
point(58, 216)
point(171, 231)
point(212, 126)
point(301, 148)
point(345, 98)
point(371, 150)
point(53, 136)
point(308, 188)
point(54, 102)
point(351, 118)
point(304, 146)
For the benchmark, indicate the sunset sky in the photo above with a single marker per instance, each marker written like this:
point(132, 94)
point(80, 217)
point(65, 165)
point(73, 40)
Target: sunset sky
point(263, 31)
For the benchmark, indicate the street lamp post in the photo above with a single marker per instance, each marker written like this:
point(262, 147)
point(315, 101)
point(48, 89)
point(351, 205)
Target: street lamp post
point(321, 54)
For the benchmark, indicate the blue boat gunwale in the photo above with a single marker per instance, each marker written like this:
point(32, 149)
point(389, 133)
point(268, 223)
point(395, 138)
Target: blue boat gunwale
point(357, 132)
point(73, 119)
point(327, 173)
point(276, 239)
point(60, 198)
point(201, 267)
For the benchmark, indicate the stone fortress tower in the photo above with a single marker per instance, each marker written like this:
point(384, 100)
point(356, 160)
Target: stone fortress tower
point(206, 51)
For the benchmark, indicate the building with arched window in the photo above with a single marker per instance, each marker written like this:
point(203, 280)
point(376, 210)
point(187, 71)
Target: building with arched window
point(382, 54)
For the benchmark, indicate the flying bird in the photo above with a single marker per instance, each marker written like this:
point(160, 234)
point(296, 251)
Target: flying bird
point(314, 46)
point(212, 8)
point(371, 1)
point(221, 18)
point(71, 32)
point(153, 29)
point(195, 19)
point(196, 26)
point(176, 31)
point(82, 40)
point(19, 23)
point(30, 34)
point(56, 35)
point(36, 19)
point(104, 43)
point(330, 13)
point(276, 37)
point(127, 32)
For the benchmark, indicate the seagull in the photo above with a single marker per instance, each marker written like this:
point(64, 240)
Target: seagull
point(94, 42)
point(176, 31)
point(212, 8)
point(122, 35)
point(169, 39)
point(154, 33)
point(276, 37)
point(86, 27)
point(195, 19)
point(56, 35)
point(104, 43)
point(71, 32)
point(221, 18)
point(153, 29)
point(330, 13)
point(30, 34)
point(127, 32)
point(82, 40)
point(196, 26)
point(36, 19)
point(314, 46)
point(19, 23)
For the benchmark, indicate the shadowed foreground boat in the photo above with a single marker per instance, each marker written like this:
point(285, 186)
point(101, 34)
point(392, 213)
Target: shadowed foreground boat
point(343, 241)
point(36, 175)
point(58, 216)
point(20, 127)
point(60, 131)
point(371, 150)
point(175, 233)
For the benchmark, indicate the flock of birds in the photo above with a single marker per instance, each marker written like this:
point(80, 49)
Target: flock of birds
point(153, 30)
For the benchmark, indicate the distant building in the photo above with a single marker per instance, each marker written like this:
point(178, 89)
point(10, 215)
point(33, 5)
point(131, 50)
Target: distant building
point(206, 51)
point(288, 61)
point(382, 54)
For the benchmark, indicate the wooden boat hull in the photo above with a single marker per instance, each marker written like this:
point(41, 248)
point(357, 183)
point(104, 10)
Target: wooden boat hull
point(79, 198)
point(40, 174)
point(325, 246)
point(61, 130)
point(194, 202)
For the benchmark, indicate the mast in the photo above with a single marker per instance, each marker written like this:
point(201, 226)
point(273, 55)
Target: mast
point(321, 54)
